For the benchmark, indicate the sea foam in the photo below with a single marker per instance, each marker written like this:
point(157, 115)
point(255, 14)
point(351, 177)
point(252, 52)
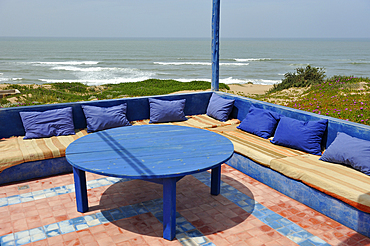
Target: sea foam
point(73, 63)
point(91, 82)
point(84, 69)
point(252, 59)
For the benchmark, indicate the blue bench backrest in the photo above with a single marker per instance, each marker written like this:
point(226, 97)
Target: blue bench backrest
point(196, 103)
point(137, 109)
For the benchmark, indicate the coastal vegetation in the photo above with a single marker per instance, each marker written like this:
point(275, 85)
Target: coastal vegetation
point(74, 92)
point(308, 89)
point(303, 77)
point(343, 97)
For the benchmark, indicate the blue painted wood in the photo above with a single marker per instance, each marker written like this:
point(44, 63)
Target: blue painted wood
point(160, 181)
point(196, 103)
point(242, 105)
point(149, 151)
point(216, 180)
point(157, 153)
point(215, 45)
point(81, 190)
point(169, 208)
point(137, 109)
point(35, 169)
point(321, 202)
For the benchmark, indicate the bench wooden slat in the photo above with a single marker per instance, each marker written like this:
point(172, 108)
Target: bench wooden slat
point(16, 150)
point(255, 148)
point(339, 181)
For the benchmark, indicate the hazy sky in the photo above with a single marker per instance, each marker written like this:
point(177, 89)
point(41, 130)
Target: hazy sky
point(185, 18)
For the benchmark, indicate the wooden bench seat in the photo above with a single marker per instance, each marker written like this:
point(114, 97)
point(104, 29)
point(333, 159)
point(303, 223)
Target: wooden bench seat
point(291, 172)
point(255, 148)
point(339, 181)
point(16, 150)
point(202, 121)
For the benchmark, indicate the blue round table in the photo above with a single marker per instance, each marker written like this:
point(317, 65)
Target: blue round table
point(158, 153)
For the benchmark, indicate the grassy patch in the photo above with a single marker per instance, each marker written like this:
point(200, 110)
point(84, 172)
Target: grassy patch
point(156, 87)
point(74, 92)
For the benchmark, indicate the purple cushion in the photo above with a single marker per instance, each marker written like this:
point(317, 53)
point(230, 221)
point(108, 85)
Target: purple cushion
point(260, 122)
point(102, 118)
point(349, 151)
point(301, 135)
point(165, 111)
point(55, 122)
point(219, 108)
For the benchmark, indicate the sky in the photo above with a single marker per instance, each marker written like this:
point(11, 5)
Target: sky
point(185, 18)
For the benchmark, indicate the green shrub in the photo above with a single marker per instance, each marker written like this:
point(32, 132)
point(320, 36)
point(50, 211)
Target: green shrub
point(303, 77)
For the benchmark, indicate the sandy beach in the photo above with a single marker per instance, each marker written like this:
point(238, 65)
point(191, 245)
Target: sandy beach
point(243, 89)
point(250, 88)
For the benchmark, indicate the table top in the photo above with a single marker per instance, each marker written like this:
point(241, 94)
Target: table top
point(149, 151)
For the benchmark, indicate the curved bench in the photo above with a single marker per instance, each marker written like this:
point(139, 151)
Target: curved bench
point(338, 192)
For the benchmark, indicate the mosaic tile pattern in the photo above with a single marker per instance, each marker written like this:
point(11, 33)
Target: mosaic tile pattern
point(196, 209)
point(75, 224)
point(286, 227)
point(41, 194)
point(186, 233)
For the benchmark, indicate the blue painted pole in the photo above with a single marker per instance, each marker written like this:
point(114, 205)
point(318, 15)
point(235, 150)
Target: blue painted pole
point(169, 208)
point(80, 190)
point(215, 45)
point(216, 180)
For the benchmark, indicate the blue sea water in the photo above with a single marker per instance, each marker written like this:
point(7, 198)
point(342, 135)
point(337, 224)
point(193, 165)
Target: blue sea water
point(101, 61)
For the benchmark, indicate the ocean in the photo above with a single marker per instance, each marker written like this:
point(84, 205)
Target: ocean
point(102, 61)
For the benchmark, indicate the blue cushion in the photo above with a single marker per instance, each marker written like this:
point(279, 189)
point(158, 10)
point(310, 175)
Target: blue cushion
point(350, 151)
point(166, 111)
point(260, 122)
point(301, 135)
point(55, 122)
point(219, 108)
point(101, 118)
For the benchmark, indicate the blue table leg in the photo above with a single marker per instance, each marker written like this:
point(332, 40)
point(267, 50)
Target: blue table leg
point(216, 180)
point(80, 189)
point(169, 208)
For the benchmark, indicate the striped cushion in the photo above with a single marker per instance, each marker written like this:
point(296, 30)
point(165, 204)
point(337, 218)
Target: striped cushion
point(341, 182)
point(199, 121)
point(255, 148)
point(17, 150)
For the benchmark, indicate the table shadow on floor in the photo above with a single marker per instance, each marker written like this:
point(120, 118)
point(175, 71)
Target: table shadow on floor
point(207, 213)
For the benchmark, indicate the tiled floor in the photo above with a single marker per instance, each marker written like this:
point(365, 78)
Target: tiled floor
point(129, 212)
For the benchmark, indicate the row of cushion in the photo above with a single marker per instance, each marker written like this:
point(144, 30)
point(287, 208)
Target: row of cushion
point(59, 122)
point(288, 132)
point(171, 111)
point(307, 137)
point(16, 150)
point(339, 181)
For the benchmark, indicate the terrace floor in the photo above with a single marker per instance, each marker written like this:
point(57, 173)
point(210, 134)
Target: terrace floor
point(128, 212)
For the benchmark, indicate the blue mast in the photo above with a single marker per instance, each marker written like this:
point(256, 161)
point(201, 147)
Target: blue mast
point(215, 45)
